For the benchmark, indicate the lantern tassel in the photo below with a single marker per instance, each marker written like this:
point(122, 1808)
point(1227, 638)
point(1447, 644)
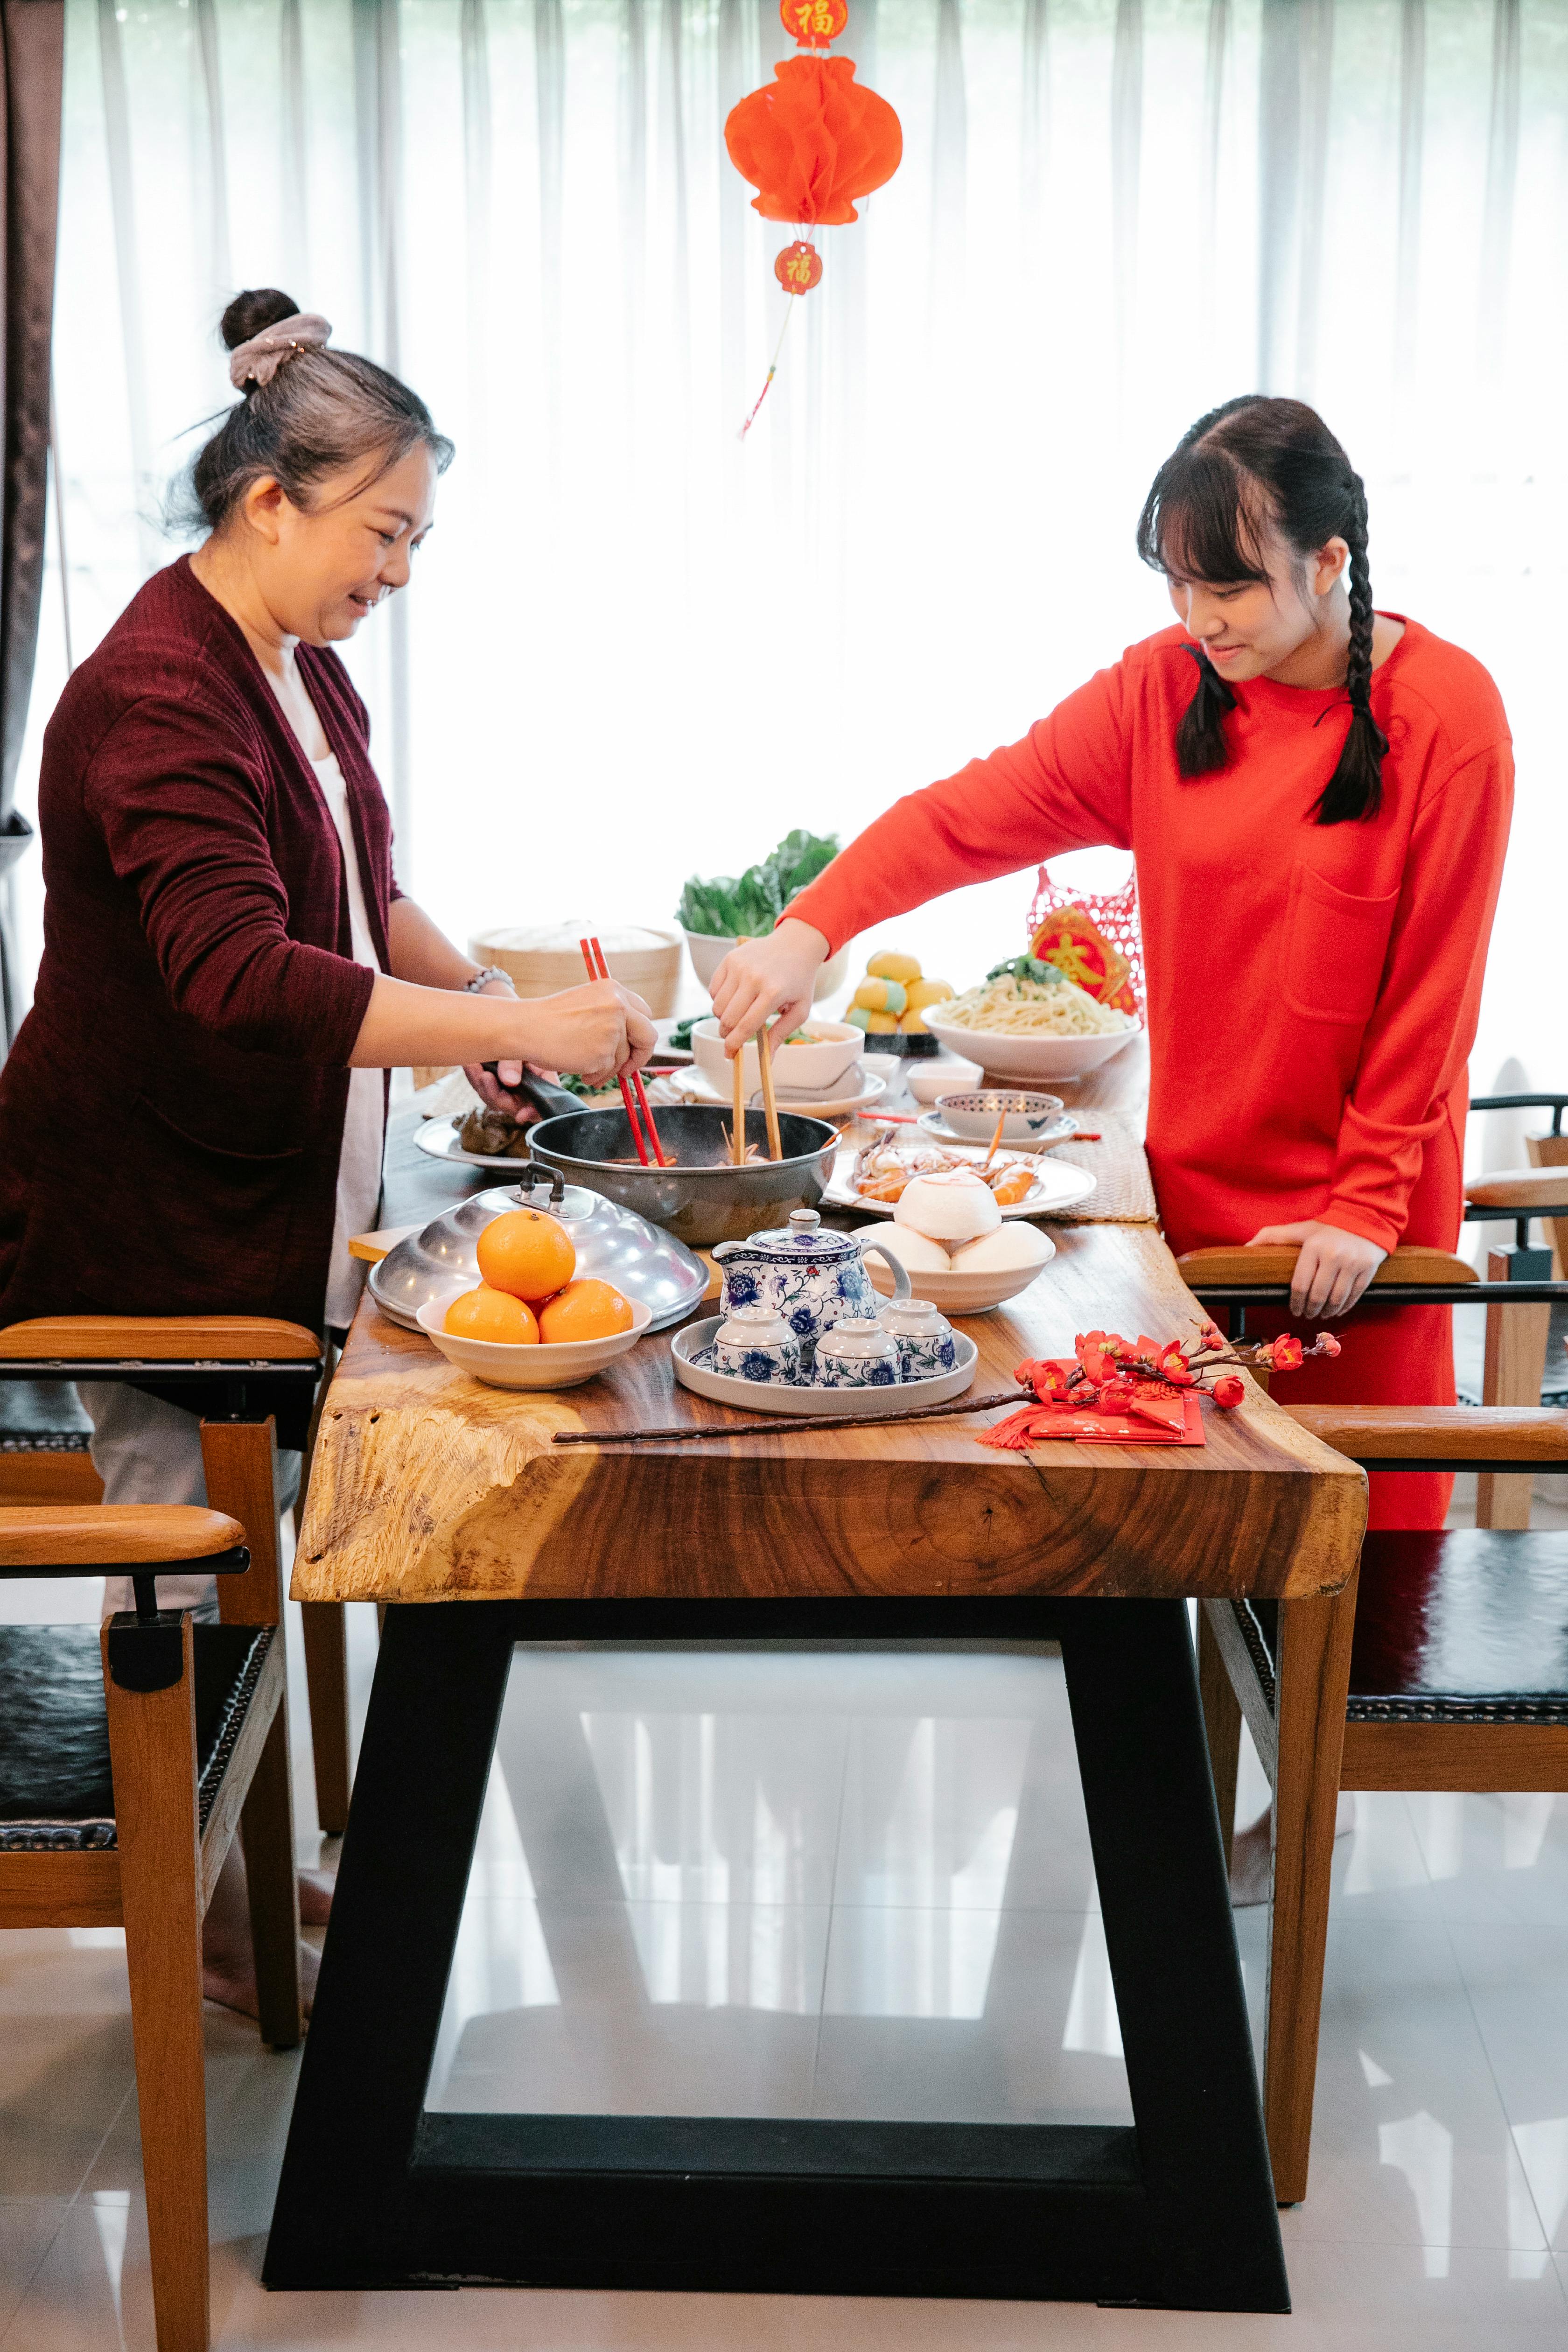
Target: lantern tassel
point(772, 369)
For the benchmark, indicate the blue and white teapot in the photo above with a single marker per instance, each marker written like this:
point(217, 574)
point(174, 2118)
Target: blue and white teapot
point(810, 1277)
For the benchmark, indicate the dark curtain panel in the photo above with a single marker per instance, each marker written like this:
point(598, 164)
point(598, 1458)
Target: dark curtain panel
point(31, 33)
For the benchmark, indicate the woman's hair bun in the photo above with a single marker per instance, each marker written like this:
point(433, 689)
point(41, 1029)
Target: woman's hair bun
point(252, 312)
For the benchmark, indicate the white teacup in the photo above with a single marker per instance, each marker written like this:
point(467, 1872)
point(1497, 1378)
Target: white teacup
point(857, 1353)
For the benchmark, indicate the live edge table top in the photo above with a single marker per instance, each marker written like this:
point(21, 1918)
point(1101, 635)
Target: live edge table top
point(427, 1486)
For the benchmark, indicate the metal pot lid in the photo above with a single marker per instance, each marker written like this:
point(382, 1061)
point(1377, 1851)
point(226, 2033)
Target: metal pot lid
point(612, 1245)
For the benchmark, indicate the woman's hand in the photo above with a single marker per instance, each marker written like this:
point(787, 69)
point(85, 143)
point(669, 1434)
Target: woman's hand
point(598, 1032)
point(775, 974)
point(496, 1089)
point(1332, 1269)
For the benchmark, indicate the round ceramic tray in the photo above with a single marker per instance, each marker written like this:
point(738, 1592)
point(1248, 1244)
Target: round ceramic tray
point(758, 1396)
point(1065, 1128)
point(1055, 1188)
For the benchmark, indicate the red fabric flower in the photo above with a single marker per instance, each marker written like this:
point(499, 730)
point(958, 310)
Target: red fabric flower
point(1288, 1352)
point(1328, 1346)
point(1227, 1391)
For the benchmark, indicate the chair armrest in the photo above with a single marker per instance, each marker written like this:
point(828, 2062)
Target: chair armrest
point(159, 1339)
point(1525, 1437)
point(90, 1537)
point(1213, 1269)
point(1511, 1190)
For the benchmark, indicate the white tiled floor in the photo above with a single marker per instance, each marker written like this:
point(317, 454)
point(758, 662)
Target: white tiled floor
point(840, 1884)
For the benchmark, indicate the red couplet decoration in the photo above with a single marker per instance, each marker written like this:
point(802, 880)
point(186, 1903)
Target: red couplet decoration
point(814, 23)
point(798, 267)
point(813, 142)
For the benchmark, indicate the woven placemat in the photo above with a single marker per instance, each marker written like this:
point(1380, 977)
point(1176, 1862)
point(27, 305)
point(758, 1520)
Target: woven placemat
point(1123, 1191)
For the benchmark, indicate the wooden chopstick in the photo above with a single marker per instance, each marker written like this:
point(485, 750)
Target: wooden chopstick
point(593, 957)
point(738, 1133)
point(786, 1424)
point(770, 1108)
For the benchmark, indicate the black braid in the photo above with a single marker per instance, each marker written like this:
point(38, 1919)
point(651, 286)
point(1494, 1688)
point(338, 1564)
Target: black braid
point(1200, 737)
point(1354, 794)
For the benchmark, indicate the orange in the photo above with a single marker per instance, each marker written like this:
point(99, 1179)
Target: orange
point(527, 1252)
point(486, 1313)
point(584, 1310)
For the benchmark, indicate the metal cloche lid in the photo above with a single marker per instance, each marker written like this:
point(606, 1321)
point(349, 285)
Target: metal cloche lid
point(612, 1245)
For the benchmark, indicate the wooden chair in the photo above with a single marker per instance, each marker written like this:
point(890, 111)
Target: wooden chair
point(128, 1756)
point(58, 1469)
point(1325, 1713)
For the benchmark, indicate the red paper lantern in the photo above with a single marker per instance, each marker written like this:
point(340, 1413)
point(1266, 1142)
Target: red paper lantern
point(813, 142)
point(798, 267)
point(814, 23)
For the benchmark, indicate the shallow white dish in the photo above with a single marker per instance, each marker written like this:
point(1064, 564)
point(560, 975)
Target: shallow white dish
point(817, 1068)
point(1061, 1130)
point(1054, 1188)
point(958, 1293)
point(761, 1396)
point(438, 1137)
point(940, 1075)
point(564, 1365)
point(707, 953)
point(887, 1066)
point(1031, 1060)
point(859, 1096)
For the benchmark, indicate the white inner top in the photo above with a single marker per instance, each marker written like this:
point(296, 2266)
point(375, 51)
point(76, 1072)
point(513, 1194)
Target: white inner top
point(359, 1166)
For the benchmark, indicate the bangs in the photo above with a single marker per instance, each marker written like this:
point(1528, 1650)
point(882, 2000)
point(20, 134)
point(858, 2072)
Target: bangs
point(1195, 524)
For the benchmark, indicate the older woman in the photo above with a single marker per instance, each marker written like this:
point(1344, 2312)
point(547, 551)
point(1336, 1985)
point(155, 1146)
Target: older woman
point(229, 968)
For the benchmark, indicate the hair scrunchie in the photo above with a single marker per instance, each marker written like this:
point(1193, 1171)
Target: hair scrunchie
point(258, 361)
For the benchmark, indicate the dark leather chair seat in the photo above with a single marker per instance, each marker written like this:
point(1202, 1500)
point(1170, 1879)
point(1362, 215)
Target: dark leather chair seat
point(55, 1790)
point(1463, 1626)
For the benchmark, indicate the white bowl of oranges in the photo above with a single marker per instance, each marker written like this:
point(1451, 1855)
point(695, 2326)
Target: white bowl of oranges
point(530, 1324)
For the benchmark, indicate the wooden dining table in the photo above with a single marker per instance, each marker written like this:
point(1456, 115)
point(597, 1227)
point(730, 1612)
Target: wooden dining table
point(453, 1504)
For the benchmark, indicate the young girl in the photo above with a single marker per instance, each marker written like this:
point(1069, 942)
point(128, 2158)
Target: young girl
point(1317, 796)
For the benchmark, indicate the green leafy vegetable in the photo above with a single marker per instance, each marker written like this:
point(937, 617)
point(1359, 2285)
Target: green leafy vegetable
point(727, 908)
point(1026, 967)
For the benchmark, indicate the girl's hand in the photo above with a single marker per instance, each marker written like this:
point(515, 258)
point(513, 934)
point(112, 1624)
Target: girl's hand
point(599, 1032)
point(1332, 1269)
point(775, 974)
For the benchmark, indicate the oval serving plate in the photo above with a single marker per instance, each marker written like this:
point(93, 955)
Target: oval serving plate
point(760, 1396)
point(1056, 1186)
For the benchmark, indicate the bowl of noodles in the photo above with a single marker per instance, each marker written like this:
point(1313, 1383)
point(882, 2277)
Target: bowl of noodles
point(1028, 1022)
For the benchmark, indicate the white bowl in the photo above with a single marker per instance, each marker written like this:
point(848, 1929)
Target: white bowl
point(804, 1070)
point(1027, 1115)
point(957, 1292)
point(1031, 1060)
point(565, 1364)
point(940, 1075)
point(886, 1066)
point(707, 953)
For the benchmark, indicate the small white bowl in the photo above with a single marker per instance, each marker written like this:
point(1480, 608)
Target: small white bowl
point(1031, 1061)
point(886, 1066)
point(805, 1069)
point(940, 1075)
point(958, 1292)
point(565, 1364)
point(707, 953)
point(1028, 1116)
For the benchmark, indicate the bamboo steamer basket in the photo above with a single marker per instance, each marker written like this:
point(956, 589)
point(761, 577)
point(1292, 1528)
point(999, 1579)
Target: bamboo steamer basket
point(542, 960)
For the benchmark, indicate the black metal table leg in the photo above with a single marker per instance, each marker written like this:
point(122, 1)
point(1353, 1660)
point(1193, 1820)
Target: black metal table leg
point(413, 1818)
point(1165, 1899)
point(1178, 2211)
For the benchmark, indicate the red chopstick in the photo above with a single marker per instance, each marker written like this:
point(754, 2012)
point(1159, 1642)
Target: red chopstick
point(593, 957)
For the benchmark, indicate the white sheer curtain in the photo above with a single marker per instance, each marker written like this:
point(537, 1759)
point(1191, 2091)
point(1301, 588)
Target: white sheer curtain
point(636, 646)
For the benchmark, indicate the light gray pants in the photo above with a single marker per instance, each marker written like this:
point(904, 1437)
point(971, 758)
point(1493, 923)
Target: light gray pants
point(149, 1452)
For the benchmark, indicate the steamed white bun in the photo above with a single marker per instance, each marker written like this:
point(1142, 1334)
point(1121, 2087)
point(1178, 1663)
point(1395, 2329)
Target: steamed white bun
point(1015, 1244)
point(918, 1253)
point(951, 1205)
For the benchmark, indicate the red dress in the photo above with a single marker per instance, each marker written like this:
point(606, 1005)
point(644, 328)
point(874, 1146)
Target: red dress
point(1312, 990)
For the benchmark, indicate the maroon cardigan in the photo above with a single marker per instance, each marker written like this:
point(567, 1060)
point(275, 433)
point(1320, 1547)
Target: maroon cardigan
point(171, 1113)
